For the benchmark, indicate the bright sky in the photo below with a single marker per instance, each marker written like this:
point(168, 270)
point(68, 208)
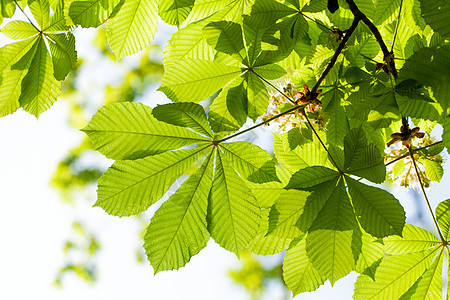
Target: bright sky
point(34, 225)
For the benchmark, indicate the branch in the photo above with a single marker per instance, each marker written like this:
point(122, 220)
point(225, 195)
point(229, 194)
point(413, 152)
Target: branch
point(388, 56)
point(413, 150)
point(336, 54)
point(260, 124)
point(425, 195)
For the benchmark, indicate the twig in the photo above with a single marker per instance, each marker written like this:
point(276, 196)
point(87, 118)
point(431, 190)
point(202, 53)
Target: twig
point(387, 54)
point(413, 150)
point(425, 195)
point(321, 142)
point(336, 54)
point(260, 124)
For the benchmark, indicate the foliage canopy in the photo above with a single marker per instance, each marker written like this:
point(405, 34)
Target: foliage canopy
point(368, 70)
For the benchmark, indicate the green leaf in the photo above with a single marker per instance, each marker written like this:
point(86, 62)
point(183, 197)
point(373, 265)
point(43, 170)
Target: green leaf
point(298, 272)
point(263, 244)
point(64, 56)
point(265, 13)
point(39, 87)
point(266, 193)
point(333, 242)
point(18, 30)
point(362, 159)
point(308, 154)
point(188, 42)
point(174, 12)
point(378, 212)
point(257, 96)
point(429, 285)
point(311, 176)
point(372, 251)
point(89, 13)
point(269, 72)
point(385, 11)
point(337, 125)
point(434, 66)
point(225, 37)
point(433, 169)
point(233, 216)
point(285, 213)
point(41, 11)
point(394, 276)
point(413, 239)
point(228, 112)
point(14, 64)
point(250, 161)
point(185, 114)
point(129, 131)
point(443, 217)
point(195, 80)
point(178, 229)
point(128, 187)
point(7, 9)
point(436, 14)
point(206, 8)
point(133, 27)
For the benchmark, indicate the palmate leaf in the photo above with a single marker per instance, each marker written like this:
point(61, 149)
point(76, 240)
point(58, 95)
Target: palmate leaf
point(185, 114)
point(30, 73)
point(307, 154)
point(174, 12)
point(41, 11)
point(285, 213)
point(395, 275)
point(337, 125)
point(233, 216)
point(250, 161)
point(225, 37)
point(195, 80)
point(298, 272)
point(311, 176)
point(89, 13)
point(133, 27)
point(372, 250)
point(443, 217)
point(18, 30)
point(385, 11)
point(412, 270)
point(129, 131)
point(7, 9)
point(267, 244)
point(333, 243)
point(178, 229)
point(39, 87)
point(64, 56)
point(434, 66)
point(129, 187)
point(362, 159)
point(378, 211)
point(228, 112)
point(188, 42)
point(436, 14)
point(15, 61)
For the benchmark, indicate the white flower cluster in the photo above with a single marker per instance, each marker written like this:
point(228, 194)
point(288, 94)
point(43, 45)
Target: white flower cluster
point(278, 103)
point(402, 172)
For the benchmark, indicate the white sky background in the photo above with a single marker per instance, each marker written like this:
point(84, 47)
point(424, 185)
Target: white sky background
point(34, 224)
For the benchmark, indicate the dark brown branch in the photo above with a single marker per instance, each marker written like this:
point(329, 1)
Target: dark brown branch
point(388, 56)
point(336, 54)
